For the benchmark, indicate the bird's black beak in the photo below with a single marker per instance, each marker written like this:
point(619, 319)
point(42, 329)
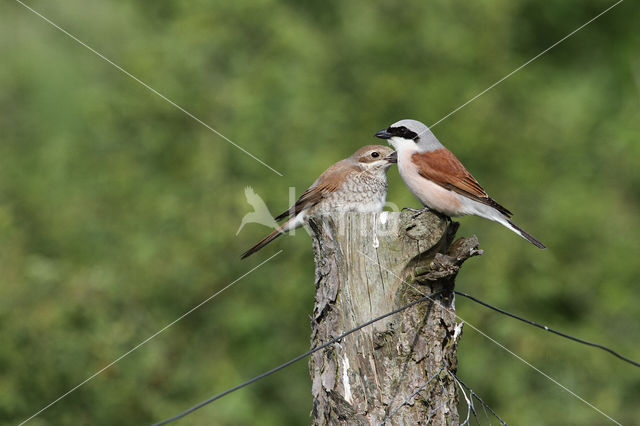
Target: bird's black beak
point(384, 134)
point(393, 157)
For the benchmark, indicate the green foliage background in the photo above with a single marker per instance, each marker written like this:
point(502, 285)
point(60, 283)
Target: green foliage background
point(118, 212)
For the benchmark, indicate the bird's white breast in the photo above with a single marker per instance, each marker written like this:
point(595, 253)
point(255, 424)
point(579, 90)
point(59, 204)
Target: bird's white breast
point(430, 194)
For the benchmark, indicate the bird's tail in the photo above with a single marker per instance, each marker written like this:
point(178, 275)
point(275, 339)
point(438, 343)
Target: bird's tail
point(524, 234)
point(292, 223)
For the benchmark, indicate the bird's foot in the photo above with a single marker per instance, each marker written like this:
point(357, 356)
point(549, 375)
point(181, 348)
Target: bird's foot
point(417, 212)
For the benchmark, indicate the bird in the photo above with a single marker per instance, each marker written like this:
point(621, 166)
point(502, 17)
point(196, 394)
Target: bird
point(439, 180)
point(355, 184)
point(260, 213)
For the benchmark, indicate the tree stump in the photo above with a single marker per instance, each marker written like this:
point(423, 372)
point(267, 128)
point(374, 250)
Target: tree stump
point(394, 371)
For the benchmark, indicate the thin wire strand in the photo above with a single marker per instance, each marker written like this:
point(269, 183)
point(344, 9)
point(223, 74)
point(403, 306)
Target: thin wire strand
point(294, 360)
point(504, 347)
point(544, 374)
point(527, 63)
point(469, 404)
point(473, 394)
point(275, 171)
point(544, 327)
point(145, 85)
point(425, 297)
point(148, 339)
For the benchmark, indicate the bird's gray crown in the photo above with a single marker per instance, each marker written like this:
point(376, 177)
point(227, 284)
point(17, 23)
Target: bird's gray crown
point(417, 131)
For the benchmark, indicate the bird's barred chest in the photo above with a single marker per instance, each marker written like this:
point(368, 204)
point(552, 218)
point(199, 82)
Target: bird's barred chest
point(363, 192)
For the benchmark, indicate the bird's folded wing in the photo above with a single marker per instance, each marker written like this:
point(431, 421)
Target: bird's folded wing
point(328, 182)
point(443, 168)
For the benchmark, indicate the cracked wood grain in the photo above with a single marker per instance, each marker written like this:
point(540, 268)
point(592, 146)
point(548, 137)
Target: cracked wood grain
point(367, 265)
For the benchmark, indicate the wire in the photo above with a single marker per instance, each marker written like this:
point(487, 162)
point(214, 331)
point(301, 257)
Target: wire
point(524, 361)
point(527, 63)
point(336, 339)
point(145, 341)
point(296, 359)
point(544, 327)
point(475, 395)
point(145, 85)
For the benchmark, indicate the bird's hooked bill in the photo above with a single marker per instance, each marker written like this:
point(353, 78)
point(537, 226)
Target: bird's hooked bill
point(393, 157)
point(384, 134)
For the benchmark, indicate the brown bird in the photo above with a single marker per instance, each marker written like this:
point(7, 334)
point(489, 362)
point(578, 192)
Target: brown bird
point(355, 184)
point(439, 180)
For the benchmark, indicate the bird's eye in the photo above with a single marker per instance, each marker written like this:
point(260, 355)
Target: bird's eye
point(375, 155)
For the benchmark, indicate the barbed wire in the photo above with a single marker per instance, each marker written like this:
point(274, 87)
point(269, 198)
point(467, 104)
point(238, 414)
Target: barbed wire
point(296, 359)
point(550, 330)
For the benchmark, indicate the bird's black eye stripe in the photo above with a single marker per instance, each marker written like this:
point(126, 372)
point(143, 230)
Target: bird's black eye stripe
point(375, 154)
point(402, 132)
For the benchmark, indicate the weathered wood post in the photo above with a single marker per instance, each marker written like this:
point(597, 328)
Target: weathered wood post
point(368, 265)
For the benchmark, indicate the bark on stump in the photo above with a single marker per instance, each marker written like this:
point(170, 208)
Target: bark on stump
point(367, 265)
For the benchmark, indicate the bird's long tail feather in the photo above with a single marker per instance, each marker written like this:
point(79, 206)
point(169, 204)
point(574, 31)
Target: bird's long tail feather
point(524, 234)
point(292, 223)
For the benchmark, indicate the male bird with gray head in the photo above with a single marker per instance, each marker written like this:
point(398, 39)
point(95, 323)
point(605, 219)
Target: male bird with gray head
point(439, 180)
point(355, 184)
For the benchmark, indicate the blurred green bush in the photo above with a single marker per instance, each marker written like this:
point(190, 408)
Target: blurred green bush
point(118, 212)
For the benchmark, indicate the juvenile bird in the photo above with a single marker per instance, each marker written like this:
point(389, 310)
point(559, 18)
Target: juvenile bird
point(439, 180)
point(355, 184)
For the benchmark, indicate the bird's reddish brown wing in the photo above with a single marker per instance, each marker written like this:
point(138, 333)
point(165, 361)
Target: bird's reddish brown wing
point(443, 168)
point(328, 182)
